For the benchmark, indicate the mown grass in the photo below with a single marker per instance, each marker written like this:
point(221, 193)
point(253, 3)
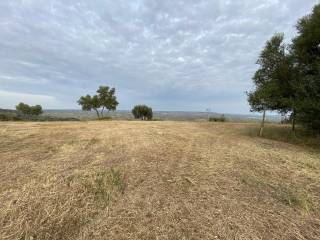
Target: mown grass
point(57, 207)
point(150, 180)
point(287, 195)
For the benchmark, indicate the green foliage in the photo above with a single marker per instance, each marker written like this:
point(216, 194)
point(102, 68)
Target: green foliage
point(105, 99)
point(272, 78)
point(25, 109)
point(8, 117)
point(142, 112)
point(222, 118)
point(36, 110)
point(284, 194)
point(306, 53)
point(289, 81)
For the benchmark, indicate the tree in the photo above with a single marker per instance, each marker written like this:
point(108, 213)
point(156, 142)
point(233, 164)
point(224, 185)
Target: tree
point(89, 103)
point(289, 81)
point(306, 54)
point(27, 110)
point(142, 112)
point(257, 104)
point(36, 110)
point(23, 109)
point(268, 79)
point(105, 99)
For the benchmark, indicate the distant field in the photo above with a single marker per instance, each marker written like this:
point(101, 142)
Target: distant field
point(161, 115)
point(155, 180)
point(158, 115)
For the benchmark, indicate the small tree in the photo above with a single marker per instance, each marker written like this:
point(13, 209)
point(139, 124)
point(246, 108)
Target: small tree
point(36, 110)
point(23, 109)
point(26, 110)
point(105, 99)
point(142, 112)
point(89, 103)
point(257, 104)
point(272, 80)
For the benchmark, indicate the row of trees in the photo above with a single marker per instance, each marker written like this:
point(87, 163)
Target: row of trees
point(105, 99)
point(288, 78)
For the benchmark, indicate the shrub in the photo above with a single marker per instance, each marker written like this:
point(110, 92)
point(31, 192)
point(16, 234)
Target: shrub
point(142, 112)
point(222, 118)
point(8, 117)
point(26, 110)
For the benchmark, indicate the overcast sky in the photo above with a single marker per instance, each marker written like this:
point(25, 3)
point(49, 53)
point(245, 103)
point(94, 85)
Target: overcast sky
point(170, 54)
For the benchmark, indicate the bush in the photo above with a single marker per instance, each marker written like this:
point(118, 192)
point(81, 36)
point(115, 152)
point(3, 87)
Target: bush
point(8, 117)
point(142, 112)
point(26, 110)
point(222, 118)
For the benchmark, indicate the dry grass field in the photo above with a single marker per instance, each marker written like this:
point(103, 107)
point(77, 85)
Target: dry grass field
point(155, 180)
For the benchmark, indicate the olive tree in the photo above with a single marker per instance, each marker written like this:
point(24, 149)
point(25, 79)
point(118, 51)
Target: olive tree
point(142, 112)
point(27, 110)
point(105, 99)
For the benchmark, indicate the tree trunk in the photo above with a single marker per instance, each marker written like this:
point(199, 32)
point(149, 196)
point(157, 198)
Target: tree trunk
point(97, 113)
point(262, 123)
point(294, 122)
point(102, 112)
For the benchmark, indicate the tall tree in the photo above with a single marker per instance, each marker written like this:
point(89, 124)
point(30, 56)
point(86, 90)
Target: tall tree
point(267, 94)
point(306, 54)
point(104, 100)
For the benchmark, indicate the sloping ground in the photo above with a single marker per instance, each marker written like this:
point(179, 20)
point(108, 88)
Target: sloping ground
point(154, 180)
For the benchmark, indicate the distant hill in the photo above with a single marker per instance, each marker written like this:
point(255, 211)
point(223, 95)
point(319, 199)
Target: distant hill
point(162, 115)
point(7, 111)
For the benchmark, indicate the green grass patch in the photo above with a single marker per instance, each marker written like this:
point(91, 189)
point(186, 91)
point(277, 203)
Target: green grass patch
point(104, 185)
point(283, 133)
point(287, 195)
point(292, 198)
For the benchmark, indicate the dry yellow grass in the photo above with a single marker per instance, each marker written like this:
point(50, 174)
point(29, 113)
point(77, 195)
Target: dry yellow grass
point(154, 180)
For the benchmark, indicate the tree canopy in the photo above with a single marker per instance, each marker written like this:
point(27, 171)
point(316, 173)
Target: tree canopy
point(105, 99)
point(306, 54)
point(27, 110)
point(142, 112)
point(288, 77)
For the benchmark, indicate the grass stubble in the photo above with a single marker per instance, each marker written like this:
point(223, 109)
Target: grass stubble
point(154, 180)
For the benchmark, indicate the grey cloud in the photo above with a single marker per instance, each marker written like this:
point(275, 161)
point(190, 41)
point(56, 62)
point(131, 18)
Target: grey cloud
point(186, 55)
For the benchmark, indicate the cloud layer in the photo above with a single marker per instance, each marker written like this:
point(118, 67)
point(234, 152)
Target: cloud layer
point(172, 55)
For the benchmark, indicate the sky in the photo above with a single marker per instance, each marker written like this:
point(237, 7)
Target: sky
point(173, 55)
